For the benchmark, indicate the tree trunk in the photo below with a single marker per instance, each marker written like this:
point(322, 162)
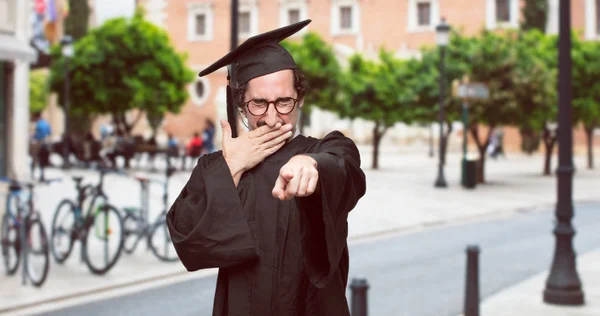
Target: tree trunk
point(378, 132)
point(445, 140)
point(548, 160)
point(376, 139)
point(118, 123)
point(481, 146)
point(529, 140)
point(304, 121)
point(589, 133)
point(549, 142)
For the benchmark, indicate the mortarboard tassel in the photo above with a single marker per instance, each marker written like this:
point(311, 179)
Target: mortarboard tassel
point(231, 112)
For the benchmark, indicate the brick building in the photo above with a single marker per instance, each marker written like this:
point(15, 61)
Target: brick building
point(202, 29)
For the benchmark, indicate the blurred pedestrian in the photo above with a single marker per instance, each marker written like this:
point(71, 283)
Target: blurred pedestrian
point(172, 149)
point(496, 144)
point(208, 135)
point(152, 149)
point(106, 130)
point(40, 146)
point(88, 149)
point(110, 148)
point(194, 148)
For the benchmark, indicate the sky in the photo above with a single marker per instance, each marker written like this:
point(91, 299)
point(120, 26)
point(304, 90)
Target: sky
point(108, 9)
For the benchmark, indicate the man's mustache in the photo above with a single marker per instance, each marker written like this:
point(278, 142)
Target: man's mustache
point(263, 123)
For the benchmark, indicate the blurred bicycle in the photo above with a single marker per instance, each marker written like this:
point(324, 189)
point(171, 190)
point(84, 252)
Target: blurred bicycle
point(91, 219)
point(23, 233)
point(137, 223)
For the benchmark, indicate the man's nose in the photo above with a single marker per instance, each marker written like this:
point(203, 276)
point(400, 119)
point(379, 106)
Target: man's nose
point(271, 116)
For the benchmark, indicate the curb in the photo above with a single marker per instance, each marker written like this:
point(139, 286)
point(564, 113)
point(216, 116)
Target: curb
point(91, 291)
point(495, 214)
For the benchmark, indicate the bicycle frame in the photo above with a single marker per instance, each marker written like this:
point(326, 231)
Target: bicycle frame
point(85, 218)
point(143, 220)
point(25, 212)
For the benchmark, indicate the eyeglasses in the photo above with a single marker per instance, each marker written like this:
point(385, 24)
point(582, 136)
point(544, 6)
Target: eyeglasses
point(258, 107)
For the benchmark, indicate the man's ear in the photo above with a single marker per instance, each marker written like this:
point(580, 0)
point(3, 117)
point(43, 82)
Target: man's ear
point(301, 103)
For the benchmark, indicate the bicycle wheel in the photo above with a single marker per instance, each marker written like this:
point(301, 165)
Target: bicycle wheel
point(132, 233)
point(37, 254)
point(160, 242)
point(10, 245)
point(103, 241)
point(62, 233)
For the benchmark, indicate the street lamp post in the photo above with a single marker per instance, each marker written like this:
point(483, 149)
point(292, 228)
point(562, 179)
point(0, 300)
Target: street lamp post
point(563, 286)
point(430, 140)
point(231, 113)
point(67, 52)
point(442, 38)
point(465, 121)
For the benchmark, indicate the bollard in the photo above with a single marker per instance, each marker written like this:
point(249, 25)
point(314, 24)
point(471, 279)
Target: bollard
point(359, 289)
point(472, 282)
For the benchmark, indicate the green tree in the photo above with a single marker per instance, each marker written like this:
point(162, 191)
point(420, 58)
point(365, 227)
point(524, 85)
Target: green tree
point(492, 61)
point(38, 91)
point(379, 91)
point(535, 88)
point(456, 64)
point(535, 14)
point(122, 65)
point(76, 23)
point(317, 61)
point(586, 89)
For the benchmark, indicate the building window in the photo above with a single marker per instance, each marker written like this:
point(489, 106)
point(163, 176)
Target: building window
point(424, 11)
point(199, 91)
point(293, 11)
point(502, 11)
point(200, 22)
point(345, 17)
point(244, 22)
point(293, 16)
point(423, 15)
point(502, 14)
point(199, 88)
point(247, 19)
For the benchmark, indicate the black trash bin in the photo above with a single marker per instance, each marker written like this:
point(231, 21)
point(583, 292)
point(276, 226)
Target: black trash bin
point(470, 173)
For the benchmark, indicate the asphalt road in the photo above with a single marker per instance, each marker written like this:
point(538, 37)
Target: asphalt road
point(420, 273)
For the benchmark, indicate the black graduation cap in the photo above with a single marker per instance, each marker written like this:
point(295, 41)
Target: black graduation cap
point(257, 56)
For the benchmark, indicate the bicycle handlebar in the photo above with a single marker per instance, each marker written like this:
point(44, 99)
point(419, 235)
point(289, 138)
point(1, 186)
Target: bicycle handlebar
point(149, 180)
point(112, 170)
point(28, 182)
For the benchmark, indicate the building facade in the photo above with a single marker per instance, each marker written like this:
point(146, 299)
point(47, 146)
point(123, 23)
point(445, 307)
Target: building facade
point(202, 29)
point(16, 55)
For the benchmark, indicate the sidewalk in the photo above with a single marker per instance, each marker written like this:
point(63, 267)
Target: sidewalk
point(400, 196)
point(526, 298)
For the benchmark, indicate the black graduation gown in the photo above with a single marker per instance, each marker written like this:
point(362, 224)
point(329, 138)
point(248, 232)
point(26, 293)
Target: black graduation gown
point(274, 257)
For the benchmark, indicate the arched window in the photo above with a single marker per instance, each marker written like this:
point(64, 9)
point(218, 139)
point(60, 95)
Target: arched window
point(199, 91)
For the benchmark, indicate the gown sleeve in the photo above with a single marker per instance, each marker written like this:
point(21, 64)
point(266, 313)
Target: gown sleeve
point(324, 214)
point(206, 222)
